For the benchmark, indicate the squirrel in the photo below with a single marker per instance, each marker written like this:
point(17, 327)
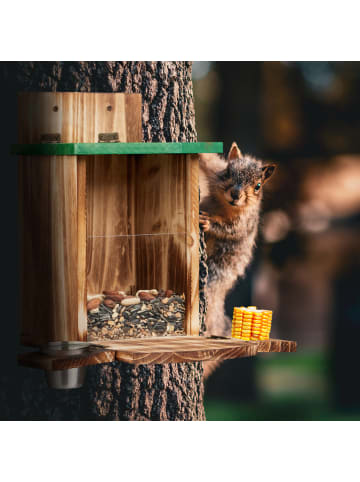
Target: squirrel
point(230, 199)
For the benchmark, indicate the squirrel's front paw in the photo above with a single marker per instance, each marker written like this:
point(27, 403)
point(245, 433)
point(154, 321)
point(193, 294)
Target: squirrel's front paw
point(204, 221)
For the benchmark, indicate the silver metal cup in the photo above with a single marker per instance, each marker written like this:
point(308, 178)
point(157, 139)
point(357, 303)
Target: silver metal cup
point(71, 377)
point(65, 379)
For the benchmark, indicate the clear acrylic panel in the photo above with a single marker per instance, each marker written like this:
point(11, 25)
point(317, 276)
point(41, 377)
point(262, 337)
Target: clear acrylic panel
point(141, 291)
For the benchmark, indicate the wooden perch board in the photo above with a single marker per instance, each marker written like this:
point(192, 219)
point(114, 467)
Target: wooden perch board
point(179, 349)
point(160, 350)
point(277, 346)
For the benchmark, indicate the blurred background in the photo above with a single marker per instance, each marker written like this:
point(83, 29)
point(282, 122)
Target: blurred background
point(304, 116)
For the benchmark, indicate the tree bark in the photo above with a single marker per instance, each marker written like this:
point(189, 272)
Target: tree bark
point(119, 391)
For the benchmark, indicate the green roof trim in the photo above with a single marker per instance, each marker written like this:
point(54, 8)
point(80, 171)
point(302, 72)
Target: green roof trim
point(102, 148)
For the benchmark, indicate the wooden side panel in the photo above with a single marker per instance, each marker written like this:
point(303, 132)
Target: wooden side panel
point(192, 320)
point(81, 248)
point(52, 242)
point(79, 116)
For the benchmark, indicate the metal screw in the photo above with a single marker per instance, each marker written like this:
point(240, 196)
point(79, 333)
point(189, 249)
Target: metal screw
point(55, 108)
point(109, 108)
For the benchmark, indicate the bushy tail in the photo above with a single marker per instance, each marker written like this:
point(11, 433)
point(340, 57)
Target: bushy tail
point(210, 367)
point(206, 176)
point(212, 163)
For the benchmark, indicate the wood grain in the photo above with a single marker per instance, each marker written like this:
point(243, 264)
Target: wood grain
point(81, 248)
point(160, 211)
point(50, 240)
point(46, 362)
point(133, 121)
point(79, 116)
point(192, 320)
point(277, 346)
point(110, 254)
point(191, 348)
point(181, 349)
point(172, 349)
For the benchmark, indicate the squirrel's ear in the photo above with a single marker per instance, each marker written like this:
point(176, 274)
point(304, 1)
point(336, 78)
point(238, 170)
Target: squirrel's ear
point(267, 171)
point(234, 152)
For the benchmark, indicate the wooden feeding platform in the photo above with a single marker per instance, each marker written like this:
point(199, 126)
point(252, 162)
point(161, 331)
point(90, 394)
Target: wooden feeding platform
point(158, 351)
point(102, 211)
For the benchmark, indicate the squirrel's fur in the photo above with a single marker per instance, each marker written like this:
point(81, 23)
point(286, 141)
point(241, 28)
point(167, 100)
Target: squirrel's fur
point(231, 192)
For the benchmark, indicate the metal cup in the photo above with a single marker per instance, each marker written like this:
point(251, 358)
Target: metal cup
point(71, 377)
point(66, 379)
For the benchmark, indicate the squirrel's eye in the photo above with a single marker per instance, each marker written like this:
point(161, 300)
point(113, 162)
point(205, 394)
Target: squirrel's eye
point(258, 186)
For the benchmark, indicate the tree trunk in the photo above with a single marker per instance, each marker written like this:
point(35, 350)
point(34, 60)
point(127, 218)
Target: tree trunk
point(119, 391)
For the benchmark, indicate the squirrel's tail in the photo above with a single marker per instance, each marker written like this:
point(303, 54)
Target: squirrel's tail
point(210, 367)
point(210, 165)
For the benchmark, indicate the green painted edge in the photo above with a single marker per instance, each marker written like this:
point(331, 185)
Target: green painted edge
point(102, 148)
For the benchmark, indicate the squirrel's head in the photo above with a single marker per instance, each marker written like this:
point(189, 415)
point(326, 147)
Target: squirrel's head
point(240, 184)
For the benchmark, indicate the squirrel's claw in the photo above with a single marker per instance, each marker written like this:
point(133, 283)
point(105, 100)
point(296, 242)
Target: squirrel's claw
point(204, 221)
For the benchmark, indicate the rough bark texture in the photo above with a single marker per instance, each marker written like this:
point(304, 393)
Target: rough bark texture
point(119, 391)
point(203, 277)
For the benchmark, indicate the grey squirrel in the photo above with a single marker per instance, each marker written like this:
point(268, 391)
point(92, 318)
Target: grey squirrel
point(230, 200)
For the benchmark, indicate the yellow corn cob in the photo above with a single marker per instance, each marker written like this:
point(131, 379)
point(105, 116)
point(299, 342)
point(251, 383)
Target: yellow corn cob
point(251, 324)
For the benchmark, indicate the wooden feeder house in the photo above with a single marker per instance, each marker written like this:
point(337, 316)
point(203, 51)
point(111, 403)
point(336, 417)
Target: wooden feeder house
point(109, 238)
